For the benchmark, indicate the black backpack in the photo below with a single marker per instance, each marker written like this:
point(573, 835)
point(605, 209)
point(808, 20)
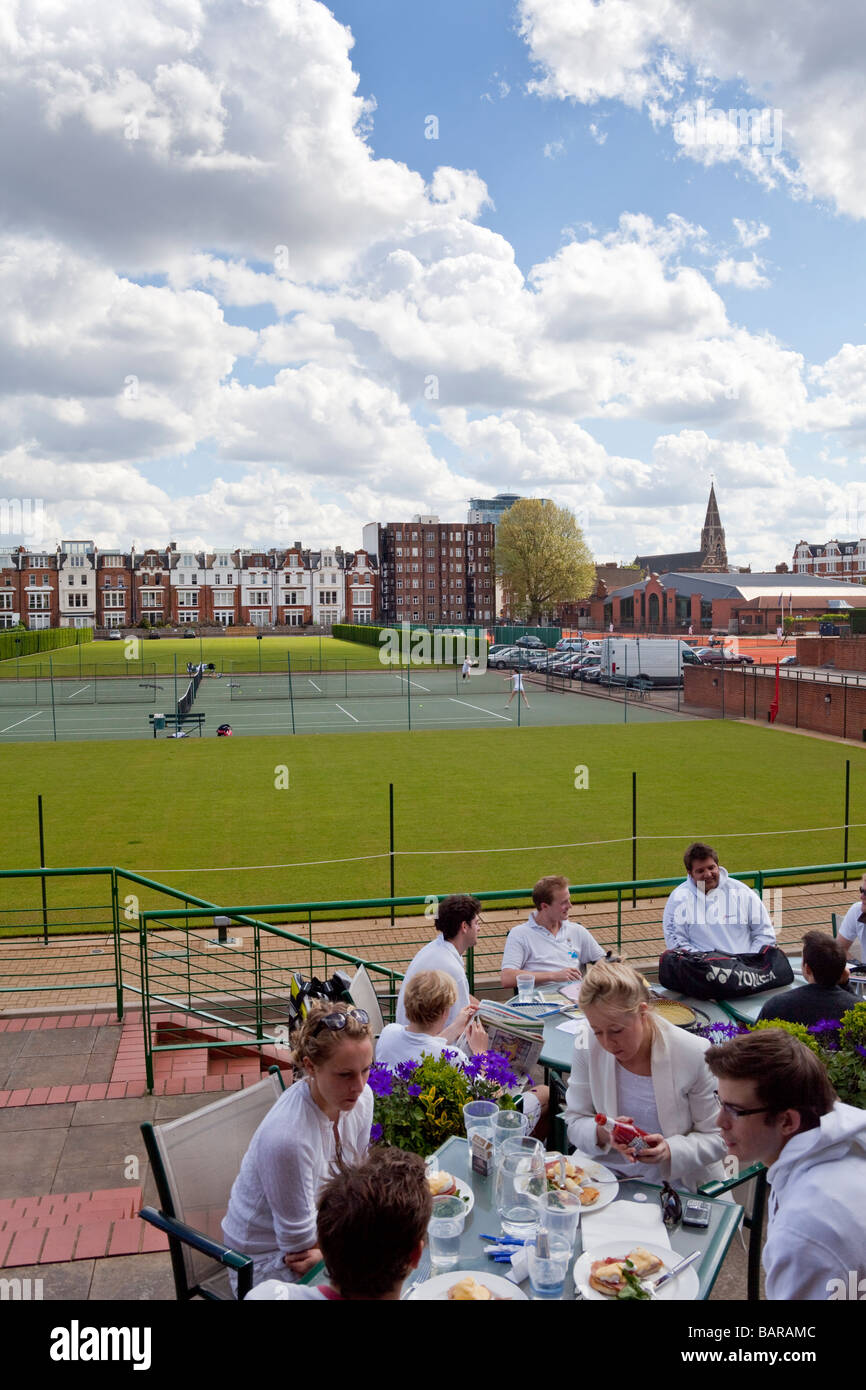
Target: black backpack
point(717, 975)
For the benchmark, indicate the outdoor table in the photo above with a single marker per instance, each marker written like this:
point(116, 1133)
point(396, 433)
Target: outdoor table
point(453, 1157)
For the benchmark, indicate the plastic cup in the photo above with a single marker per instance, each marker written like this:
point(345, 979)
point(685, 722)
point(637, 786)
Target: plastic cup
point(508, 1124)
point(479, 1117)
point(525, 987)
point(559, 1214)
point(445, 1231)
point(547, 1273)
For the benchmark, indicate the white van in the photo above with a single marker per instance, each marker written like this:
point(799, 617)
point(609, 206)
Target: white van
point(656, 660)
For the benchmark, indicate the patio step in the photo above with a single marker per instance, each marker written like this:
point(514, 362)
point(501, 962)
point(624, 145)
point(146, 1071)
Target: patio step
point(74, 1226)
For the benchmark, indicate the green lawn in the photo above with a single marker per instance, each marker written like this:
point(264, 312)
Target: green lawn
point(188, 813)
point(220, 650)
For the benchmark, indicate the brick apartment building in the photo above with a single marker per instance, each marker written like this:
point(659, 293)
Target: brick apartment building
point(434, 572)
point(832, 558)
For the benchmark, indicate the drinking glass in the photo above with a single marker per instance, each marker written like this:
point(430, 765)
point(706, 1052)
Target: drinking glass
point(520, 1180)
point(525, 987)
point(547, 1272)
point(559, 1214)
point(508, 1124)
point(445, 1231)
point(479, 1117)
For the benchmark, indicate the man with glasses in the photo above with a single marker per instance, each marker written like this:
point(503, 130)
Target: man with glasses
point(458, 927)
point(853, 927)
point(777, 1107)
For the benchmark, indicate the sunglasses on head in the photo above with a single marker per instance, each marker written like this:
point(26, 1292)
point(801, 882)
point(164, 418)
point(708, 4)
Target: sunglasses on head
point(337, 1021)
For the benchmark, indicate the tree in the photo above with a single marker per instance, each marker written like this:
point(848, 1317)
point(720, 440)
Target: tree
point(541, 557)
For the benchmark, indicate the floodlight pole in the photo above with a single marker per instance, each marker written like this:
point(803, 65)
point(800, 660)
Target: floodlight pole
point(291, 692)
point(42, 866)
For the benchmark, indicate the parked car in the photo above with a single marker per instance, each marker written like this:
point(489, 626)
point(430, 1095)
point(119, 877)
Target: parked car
point(503, 658)
point(527, 641)
point(570, 644)
point(590, 670)
point(189, 632)
point(115, 636)
point(540, 661)
point(498, 647)
point(711, 656)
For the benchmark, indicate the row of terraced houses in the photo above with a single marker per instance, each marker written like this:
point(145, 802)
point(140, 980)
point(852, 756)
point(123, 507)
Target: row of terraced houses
point(79, 585)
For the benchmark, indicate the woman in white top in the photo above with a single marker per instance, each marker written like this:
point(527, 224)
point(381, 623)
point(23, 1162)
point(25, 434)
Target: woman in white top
point(637, 1067)
point(428, 999)
point(319, 1124)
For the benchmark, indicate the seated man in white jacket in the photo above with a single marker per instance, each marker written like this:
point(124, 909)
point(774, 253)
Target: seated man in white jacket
point(634, 1066)
point(712, 912)
point(777, 1106)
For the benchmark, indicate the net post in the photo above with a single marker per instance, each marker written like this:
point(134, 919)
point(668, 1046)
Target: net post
point(291, 690)
point(53, 712)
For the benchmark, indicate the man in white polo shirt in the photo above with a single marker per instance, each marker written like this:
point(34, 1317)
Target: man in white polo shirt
point(458, 925)
point(547, 945)
point(853, 927)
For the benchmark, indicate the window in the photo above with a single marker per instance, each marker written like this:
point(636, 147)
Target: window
point(46, 579)
point(76, 561)
point(431, 583)
point(415, 550)
point(431, 535)
point(223, 561)
point(414, 583)
point(113, 600)
point(223, 600)
point(7, 620)
point(399, 583)
point(187, 598)
point(187, 561)
point(6, 600)
point(112, 561)
point(151, 600)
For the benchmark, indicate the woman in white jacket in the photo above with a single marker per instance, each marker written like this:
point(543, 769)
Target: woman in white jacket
point(639, 1068)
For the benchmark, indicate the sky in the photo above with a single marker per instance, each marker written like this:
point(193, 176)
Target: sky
point(270, 270)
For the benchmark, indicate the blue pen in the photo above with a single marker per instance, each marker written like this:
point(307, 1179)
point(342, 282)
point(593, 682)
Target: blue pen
point(503, 1240)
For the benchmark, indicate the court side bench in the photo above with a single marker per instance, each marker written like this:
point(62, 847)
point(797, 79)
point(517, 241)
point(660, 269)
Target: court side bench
point(158, 722)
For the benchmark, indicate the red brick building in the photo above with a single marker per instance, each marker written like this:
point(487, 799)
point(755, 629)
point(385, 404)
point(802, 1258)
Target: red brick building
point(434, 572)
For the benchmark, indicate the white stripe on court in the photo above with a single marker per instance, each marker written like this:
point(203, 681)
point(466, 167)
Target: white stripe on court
point(313, 684)
point(22, 721)
point(480, 709)
point(345, 711)
point(78, 692)
point(419, 685)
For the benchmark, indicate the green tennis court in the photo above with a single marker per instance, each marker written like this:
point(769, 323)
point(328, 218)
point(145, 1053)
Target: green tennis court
point(312, 703)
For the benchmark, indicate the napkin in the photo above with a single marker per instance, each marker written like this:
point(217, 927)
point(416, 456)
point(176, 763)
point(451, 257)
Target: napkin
point(625, 1220)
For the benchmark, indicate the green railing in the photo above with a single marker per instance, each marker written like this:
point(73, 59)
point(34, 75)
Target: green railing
point(166, 954)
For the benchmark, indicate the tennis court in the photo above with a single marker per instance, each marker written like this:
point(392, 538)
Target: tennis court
point(272, 703)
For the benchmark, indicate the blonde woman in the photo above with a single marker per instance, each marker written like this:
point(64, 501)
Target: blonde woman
point(428, 1000)
point(633, 1066)
point(320, 1124)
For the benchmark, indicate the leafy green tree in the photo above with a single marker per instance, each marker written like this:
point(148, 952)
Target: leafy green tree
point(542, 558)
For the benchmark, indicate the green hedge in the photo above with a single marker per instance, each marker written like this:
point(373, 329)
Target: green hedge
point(48, 639)
point(365, 633)
point(549, 635)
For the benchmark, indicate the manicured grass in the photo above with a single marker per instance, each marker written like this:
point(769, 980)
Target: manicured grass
point(220, 650)
point(166, 808)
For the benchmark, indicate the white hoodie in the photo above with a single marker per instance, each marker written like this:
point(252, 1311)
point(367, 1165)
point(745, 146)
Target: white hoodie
point(817, 1211)
point(731, 918)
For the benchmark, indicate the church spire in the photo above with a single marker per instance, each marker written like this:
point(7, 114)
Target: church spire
point(715, 556)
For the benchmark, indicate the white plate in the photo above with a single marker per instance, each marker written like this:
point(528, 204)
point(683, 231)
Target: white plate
point(463, 1190)
point(595, 1173)
point(686, 1285)
point(436, 1289)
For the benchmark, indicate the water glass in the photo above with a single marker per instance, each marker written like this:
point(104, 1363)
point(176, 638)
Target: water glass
point(559, 1214)
point(520, 1181)
point(445, 1231)
point(479, 1117)
point(508, 1124)
point(525, 987)
point(547, 1272)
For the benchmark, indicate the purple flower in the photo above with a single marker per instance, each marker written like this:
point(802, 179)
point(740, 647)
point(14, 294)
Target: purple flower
point(381, 1081)
point(406, 1070)
point(825, 1025)
point(859, 1048)
point(414, 1091)
point(376, 1133)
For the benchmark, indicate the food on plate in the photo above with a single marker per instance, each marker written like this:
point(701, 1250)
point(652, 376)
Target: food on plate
point(620, 1278)
point(588, 1195)
point(469, 1291)
point(573, 1174)
point(441, 1184)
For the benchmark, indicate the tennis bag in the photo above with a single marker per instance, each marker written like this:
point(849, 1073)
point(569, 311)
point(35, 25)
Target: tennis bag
point(304, 991)
point(716, 975)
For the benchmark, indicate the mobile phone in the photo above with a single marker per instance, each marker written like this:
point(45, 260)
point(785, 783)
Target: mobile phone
point(696, 1213)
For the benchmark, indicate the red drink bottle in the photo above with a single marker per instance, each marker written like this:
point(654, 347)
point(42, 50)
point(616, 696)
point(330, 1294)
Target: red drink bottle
point(627, 1134)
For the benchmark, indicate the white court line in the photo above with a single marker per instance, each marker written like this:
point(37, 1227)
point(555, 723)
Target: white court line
point(313, 684)
point(480, 708)
point(78, 692)
point(22, 721)
point(418, 684)
point(345, 711)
